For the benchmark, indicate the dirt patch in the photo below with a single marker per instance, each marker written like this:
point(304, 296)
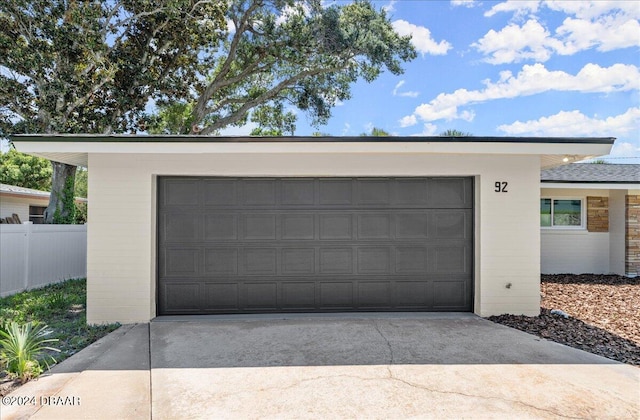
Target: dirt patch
point(7, 385)
point(603, 315)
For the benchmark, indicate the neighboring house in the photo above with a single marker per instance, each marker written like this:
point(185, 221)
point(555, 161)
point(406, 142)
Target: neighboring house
point(590, 219)
point(183, 225)
point(27, 203)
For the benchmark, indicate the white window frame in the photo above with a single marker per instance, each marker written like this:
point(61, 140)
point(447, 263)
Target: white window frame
point(583, 213)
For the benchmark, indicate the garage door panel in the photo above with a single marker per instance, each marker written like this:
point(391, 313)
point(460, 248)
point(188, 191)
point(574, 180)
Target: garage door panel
point(336, 226)
point(297, 192)
point(452, 224)
point(180, 227)
point(335, 192)
point(221, 261)
point(181, 297)
point(336, 261)
point(309, 245)
point(411, 225)
point(261, 295)
point(410, 192)
point(298, 261)
point(180, 192)
point(450, 295)
point(297, 226)
point(221, 296)
point(221, 227)
point(299, 295)
point(258, 227)
point(373, 192)
point(336, 295)
point(450, 258)
point(220, 193)
point(374, 294)
point(450, 193)
point(374, 226)
point(412, 294)
point(374, 260)
point(411, 259)
point(259, 192)
point(181, 262)
point(259, 261)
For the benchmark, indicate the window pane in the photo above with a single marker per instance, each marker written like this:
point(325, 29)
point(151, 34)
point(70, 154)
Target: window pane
point(545, 212)
point(567, 213)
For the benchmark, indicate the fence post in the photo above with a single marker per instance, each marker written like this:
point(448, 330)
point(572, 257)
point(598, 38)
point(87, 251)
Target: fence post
point(27, 253)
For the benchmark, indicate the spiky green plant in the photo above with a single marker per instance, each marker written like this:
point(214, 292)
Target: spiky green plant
point(23, 349)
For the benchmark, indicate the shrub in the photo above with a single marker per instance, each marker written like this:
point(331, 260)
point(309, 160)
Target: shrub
point(23, 349)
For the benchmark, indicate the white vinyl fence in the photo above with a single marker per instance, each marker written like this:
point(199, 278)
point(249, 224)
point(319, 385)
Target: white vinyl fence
point(36, 255)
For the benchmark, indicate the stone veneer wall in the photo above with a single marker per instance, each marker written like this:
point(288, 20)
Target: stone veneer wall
point(632, 234)
point(598, 214)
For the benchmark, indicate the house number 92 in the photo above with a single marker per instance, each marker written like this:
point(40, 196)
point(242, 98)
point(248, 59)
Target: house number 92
point(501, 186)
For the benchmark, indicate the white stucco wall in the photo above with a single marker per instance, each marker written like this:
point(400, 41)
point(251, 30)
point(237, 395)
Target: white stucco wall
point(574, 250)
point(121, 237)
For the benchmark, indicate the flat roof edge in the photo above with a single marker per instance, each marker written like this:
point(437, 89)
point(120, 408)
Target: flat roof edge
point(130, 138)
point(588, 182)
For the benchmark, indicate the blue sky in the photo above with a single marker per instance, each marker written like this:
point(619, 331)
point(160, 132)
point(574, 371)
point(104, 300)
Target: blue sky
point(513, 68)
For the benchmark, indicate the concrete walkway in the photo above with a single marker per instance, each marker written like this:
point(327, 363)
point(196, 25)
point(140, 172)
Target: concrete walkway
point(362, 366)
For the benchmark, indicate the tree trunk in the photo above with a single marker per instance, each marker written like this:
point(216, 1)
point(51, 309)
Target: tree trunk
point(61, 207)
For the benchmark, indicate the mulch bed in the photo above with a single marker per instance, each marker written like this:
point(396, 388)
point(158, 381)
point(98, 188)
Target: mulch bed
point(604, 315)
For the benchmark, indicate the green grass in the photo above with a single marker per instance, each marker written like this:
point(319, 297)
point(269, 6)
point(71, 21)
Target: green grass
point(62, 307)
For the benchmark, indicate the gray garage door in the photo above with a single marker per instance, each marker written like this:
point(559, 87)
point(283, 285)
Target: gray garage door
point(246, 245)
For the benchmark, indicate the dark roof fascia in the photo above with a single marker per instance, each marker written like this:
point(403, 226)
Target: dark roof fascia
point(587, 182)
point(306, 139)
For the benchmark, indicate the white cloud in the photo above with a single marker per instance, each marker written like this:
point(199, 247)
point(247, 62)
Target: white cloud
point(575, 123)
point(515, 43)
point(465, 3)
point(421, 38)
point(390, 7)
point(410, 93)
point(531, 80)
point(408, 121)
point(626, 149)
point(427, 130)
point(519, 7)
point(605, 26)
point(346, 129)
point(593, 9)
point(605, 34)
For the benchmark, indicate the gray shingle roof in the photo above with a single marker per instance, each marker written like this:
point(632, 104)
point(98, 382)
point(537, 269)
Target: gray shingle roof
point(593, 173)
point(12, 189)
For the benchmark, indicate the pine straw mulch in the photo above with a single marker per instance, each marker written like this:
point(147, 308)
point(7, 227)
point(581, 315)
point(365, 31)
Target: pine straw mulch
point(604, 314)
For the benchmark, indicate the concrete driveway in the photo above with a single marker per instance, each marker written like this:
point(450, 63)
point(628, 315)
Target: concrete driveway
point(362, 366)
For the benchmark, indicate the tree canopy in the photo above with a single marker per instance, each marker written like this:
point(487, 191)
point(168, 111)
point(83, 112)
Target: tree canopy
point(279, 54)
point(96, 66)
point(92, 67)
point(25, 171)
point(452, 132)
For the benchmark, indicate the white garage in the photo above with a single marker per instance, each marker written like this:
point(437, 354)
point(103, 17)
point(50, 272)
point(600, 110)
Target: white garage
point(209, 225)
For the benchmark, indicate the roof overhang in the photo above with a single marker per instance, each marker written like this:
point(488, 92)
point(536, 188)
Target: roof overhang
point(75, 149)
